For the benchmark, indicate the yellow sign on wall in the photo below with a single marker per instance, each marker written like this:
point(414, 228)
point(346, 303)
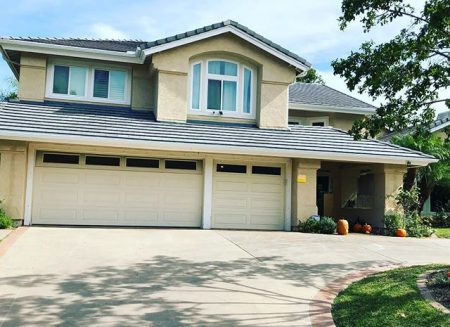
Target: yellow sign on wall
point(301, 179)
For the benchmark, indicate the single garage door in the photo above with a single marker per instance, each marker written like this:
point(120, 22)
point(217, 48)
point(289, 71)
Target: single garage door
point(248, 196)
point(78, 189)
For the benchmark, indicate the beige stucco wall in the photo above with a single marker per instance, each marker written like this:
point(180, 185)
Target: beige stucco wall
point(13, 163)
point(274, 74)
point(33, 70)
point(304, 186)
point(338, 120)
point(142, 87)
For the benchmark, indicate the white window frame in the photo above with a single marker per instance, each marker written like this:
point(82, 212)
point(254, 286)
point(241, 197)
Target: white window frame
point(89, 85)
point(325, 120)
point(239, 79)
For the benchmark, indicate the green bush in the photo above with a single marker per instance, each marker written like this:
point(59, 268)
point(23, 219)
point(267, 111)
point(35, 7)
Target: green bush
point(325, 225)
point(5, 221)
point(415, 225)
point(441, 219)
point(393, 222)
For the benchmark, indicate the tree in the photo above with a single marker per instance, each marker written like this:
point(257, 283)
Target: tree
point(427, 177)
point(11, 91)
point(408, 71)
point(311, 76)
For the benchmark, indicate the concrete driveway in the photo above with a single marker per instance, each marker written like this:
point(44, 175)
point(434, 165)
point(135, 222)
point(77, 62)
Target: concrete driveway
point(172, 277)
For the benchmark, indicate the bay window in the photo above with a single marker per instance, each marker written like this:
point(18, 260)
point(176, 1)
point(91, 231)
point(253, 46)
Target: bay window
point(88, 83)
point(222, 87)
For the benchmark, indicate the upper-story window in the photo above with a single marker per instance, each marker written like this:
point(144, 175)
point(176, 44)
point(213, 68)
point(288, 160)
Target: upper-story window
point(88, 83)
point(222, 86)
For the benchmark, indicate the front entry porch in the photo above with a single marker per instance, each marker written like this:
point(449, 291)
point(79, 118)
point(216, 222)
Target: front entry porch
point(358, 192)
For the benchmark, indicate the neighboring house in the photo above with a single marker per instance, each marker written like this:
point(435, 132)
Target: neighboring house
point(187, 131)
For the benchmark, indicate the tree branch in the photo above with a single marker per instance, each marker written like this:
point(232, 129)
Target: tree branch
point(435, 101)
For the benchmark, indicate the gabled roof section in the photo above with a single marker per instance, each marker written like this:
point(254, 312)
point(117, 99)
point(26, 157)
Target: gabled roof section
point(122, 127)
point(107, 45)
point(136, 50)
point(312, 96)
point(223, 27)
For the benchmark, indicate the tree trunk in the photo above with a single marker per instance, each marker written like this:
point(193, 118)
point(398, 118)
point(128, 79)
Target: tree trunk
point(410, 179)
point(425, 190)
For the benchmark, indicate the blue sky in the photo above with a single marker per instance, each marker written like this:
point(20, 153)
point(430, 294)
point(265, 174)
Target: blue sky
point(308, 28)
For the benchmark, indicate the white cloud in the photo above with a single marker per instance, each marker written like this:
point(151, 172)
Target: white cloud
point(105, 31)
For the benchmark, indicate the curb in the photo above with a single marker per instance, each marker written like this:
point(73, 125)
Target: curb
point(320, 307)
point(426, 294)
point(11, 239)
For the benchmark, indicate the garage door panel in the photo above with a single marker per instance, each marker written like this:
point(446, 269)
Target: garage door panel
point(99, 177)
point(59, 177)
point(224, 202)
point(53, 216)
point(116, 197)
point(248, 201)
point(229, 220)
point(51, 195)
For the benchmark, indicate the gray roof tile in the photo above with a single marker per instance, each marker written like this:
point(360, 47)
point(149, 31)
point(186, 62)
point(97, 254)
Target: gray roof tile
point(109, 45)
point(322, 95)
point(131, 45)
point(124, 124)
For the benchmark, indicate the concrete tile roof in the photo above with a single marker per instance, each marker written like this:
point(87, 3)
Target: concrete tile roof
point(26, 120)
point(322, 95)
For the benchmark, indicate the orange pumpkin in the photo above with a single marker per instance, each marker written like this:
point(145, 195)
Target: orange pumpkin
point(401, 232)
point(367, 229)
point(342, 227)
point(357, 228)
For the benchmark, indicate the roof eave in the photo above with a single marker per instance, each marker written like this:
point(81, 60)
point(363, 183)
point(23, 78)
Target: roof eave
point(439, 127)
point(63, 50)
point(322, 108)
point(206, 148)
point(229, 29)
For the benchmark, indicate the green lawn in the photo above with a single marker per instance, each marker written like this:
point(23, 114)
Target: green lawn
point(387, 299)
point(443, 232)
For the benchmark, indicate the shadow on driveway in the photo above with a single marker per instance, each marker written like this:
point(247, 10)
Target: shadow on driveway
point(169, 291)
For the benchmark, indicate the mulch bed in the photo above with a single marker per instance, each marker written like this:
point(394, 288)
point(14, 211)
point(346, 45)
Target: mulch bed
point(438, 284)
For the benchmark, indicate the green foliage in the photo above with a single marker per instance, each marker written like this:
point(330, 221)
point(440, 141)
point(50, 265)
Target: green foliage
point(325, 225)
point(427, 177)
point(5, 220)
point(389, 298)
point(443, 232)
point(393, 222)
point(441, 219)
point(11, 92)
point(408, 199)
point(408, 71)
point(415, 226)
point(311, 76)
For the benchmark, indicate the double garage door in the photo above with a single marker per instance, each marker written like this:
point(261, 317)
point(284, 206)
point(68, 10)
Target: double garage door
point(85, 189)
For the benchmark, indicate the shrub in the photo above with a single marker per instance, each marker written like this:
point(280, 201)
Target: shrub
point(416, 227)
point(393, 222)
point(441, 219)
point(414, 224)
point(325, 225)
point(5, 221)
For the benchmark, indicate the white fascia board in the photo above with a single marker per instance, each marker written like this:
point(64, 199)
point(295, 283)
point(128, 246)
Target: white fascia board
point(438, 128)
point(222, 30)
point(208, 148)
point(69, 51)
point(319, 108)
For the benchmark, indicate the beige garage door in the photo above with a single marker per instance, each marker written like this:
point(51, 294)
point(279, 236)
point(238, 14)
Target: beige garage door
point(99, 190)
point(248, 196)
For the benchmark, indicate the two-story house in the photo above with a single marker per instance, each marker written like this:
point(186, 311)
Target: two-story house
point(189, 131)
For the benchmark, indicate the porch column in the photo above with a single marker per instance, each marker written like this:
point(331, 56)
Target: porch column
point(393, 181)
point(207, 192)
point(304, 189)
